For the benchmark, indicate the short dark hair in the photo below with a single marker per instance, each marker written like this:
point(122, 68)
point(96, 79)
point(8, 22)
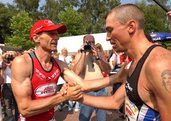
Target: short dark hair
point(125, 12)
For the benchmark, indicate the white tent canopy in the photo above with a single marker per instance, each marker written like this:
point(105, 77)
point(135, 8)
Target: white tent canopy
point(73, 43)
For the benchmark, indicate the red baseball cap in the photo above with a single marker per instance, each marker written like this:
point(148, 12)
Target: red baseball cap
point(46, 25)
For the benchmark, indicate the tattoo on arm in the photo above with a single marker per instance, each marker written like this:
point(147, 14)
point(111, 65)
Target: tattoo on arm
point(166, 78)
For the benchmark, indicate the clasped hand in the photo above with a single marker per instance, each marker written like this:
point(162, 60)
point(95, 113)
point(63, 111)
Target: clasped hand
point(72, 91)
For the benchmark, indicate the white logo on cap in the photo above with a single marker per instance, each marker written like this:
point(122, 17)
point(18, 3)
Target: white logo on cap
point(38, 28)
point(48, 22)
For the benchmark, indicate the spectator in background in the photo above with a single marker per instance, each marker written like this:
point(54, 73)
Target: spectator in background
point(63, 56)
point(116, 61)
point(55, 54)
point(100, 50)
point(9, 103)
point(19, 51)
point(1, 82)
point(102, 54)
point(90, 64)
point(76, 105)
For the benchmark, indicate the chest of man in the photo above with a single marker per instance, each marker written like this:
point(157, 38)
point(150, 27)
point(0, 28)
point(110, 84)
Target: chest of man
point(91, 69)
point(144, 88)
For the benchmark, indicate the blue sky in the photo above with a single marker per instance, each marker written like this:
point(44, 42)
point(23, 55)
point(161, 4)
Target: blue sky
point(42, 1)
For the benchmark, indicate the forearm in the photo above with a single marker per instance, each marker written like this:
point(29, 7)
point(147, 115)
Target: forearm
point(35, 107)
point(96, 84)
point(102, 102)
point(106, 102)
point(78, 66)
point(104, 66)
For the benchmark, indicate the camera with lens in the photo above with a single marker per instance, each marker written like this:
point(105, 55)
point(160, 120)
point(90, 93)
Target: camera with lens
point(87, 47)
point(9, 57)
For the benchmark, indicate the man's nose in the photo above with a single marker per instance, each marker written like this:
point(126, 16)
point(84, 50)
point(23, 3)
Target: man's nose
point(108, 37)
point(56, 37)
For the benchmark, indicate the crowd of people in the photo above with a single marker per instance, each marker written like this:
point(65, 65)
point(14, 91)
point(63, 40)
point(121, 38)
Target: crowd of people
point(40, 81)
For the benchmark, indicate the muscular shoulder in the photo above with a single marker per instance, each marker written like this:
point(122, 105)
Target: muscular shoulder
point(23, 59)
point(157, 63)
point(159, 59)
point(22, 65)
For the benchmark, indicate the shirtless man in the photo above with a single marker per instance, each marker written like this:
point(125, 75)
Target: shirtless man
point(90, 64)
point(144, 94)
point(34, 76)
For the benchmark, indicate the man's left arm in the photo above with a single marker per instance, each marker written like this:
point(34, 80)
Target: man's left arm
point(89, 85)
point(102, 62)
point(159, 75)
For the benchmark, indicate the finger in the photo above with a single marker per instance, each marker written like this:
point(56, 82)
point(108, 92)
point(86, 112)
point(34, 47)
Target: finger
point(80, 95)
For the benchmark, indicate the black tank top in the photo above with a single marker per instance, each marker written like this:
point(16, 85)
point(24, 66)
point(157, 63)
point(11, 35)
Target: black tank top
point(132, 81)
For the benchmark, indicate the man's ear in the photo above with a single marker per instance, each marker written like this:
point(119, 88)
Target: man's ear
point(132, 26)
point(35, 37)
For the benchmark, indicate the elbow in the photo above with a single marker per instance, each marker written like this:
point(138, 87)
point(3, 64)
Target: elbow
point(24, 113)
point(76, 71)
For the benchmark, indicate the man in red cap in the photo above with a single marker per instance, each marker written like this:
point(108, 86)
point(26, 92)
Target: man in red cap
point(34, 85)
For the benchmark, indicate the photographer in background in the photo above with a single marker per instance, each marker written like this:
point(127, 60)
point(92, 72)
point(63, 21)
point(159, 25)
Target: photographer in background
point(89, 64)
point(1, 82)
point(9, 103)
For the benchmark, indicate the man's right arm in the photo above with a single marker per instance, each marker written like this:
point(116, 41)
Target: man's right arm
point(78, 62)
point(106, 102)
point(22, 89)
point(90, 85)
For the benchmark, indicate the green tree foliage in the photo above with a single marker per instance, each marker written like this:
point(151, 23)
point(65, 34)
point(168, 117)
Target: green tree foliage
point(53, 7)
point(161, 1)
point(73, 20)
point(20, 25)
point(155, 18)
point(27, 5)
point(94, 12)
point(30, 6)
point(51, 10)
point(5, 16)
